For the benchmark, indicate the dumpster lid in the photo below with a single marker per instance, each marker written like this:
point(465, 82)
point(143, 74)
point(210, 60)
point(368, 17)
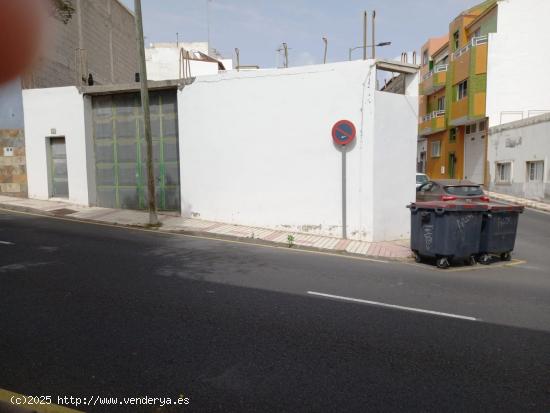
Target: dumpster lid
point(449, 206)
point(505, 208)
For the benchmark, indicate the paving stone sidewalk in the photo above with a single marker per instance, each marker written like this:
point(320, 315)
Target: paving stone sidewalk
point(172, 223)
point(541, 206)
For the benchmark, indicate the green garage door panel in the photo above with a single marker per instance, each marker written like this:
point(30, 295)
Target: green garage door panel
point(120, 150)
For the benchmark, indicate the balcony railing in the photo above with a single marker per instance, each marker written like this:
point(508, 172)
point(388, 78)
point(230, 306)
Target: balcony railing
point(433, 115)
point(437, 69)
point(476, 41)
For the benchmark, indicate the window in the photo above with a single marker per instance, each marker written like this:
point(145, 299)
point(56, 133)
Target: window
point(475, 34)
point(462, 90)
point(535, 171)
point(482, 126)
point(471, 128)
point(441, 103)
point(425, 58)
point(504, 172)
point(426, 187)
point(452, 135)
point(436, 149)
point(466, 190)
point(421, 179)
point(456, 39)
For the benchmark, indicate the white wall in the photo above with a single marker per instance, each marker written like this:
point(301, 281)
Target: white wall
point(163, 64)
point(518, 61)
point(62, 109)
point(256, 149)
point(394, 158)
point(520, 142)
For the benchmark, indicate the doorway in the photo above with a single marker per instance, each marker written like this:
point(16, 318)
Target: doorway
point(452, 165)
point(59, 181)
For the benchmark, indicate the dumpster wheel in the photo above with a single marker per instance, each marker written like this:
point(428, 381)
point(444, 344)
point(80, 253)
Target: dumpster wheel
point(417, 257)
point(484, 259)
point(443, 263)
point(505, 256)
point(471, 261)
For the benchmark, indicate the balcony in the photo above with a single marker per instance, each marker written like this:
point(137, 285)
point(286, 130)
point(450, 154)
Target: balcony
point(432, 123)
point(475, 51)
point(476, 41)
point(434, 80)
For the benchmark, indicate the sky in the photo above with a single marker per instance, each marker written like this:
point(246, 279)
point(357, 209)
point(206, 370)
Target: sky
point(259, 27)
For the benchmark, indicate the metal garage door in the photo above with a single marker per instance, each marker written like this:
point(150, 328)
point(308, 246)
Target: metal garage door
point(474, 152)
point(120, 150)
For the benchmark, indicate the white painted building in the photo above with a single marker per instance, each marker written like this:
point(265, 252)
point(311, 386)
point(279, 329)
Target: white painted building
point(518, 96)
point(165, 61)
point(519, 156)
point(518, 62)
point(52, 115)
point(252, 148)
point(256, 149)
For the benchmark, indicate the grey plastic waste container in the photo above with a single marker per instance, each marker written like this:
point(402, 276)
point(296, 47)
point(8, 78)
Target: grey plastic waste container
point(446, 231)
point(498, 232)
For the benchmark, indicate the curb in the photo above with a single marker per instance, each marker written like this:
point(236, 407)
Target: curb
point(209, 235)
point(527, 204)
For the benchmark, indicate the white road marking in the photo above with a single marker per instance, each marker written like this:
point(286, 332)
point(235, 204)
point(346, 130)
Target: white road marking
point(6, 243)
point(396, 307)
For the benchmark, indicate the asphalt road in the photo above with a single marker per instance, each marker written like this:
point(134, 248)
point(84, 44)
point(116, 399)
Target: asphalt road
point(90, 310)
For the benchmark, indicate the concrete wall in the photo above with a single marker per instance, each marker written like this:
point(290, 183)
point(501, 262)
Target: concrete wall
point(521, 142)
point(105, 31)
point(58, 112)
point(518, 62)
point(256, 149)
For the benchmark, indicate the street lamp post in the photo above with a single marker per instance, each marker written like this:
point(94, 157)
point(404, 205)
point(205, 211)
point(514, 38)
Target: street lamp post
point(382, 44)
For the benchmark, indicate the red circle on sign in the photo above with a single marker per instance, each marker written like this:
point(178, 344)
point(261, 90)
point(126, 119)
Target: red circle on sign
point(343, 132)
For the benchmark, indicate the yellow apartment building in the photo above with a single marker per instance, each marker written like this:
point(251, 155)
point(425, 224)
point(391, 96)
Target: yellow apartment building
point(452, 115)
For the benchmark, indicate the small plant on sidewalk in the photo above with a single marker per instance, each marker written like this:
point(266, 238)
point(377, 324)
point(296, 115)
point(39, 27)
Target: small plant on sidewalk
point(290, 240)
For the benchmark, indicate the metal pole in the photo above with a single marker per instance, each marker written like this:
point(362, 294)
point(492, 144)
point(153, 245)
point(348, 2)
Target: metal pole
point(208, 24)
point(349, 54)
point(365, 17)
point(285, 47)
point(326, 47)
point(344, 195)
point(153, 219)
point(373, 34)
point(238, 58)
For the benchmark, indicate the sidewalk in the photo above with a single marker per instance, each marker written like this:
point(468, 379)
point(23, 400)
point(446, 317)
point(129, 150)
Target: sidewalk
point(176, 224)
point(541, 206)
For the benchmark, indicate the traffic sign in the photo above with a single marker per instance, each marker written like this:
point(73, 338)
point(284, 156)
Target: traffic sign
point(343, 132)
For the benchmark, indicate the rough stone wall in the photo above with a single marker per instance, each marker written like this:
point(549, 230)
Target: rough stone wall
point(13, 170)
point(105, 30)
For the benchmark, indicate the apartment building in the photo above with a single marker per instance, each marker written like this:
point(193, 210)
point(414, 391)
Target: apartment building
point(453, 85)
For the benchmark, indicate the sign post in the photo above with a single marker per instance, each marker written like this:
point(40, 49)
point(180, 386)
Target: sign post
point(343, 133)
